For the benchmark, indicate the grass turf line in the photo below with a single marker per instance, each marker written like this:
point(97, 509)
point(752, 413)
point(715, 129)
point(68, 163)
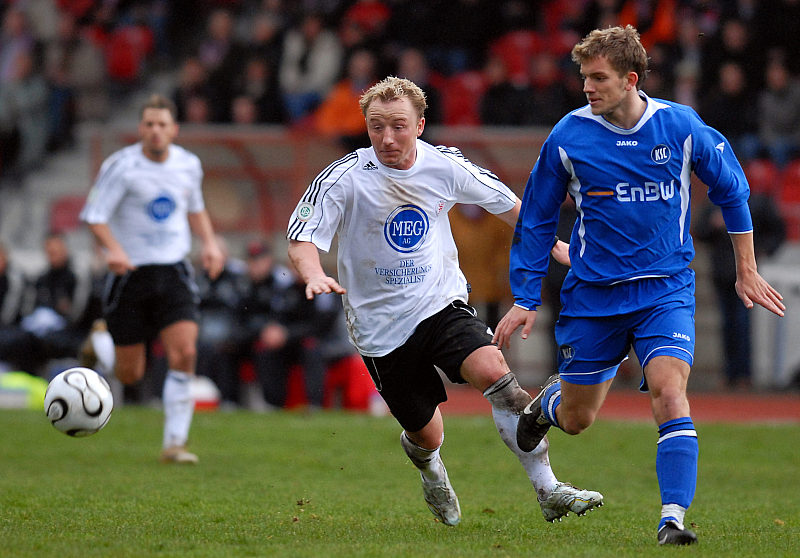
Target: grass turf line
point(338, 484)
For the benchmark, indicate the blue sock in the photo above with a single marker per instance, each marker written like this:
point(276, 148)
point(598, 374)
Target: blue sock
point(550, 400)
point(676, 467)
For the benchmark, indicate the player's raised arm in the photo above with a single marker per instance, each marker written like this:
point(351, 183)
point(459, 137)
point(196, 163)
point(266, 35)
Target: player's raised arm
point(305, 257)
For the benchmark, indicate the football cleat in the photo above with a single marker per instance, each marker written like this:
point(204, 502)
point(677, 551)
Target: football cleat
point(442, 500)
point(533, 425)
point(566, 498)
point(179, 455)
point(674, 533)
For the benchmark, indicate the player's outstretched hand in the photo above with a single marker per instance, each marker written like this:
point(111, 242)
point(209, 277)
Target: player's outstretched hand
point(754, 289)
point(323, 284)
point(514, 318)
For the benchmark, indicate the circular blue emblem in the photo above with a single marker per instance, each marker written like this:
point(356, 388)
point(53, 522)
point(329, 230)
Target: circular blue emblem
point(406, 228)
point(161, 208)
point(660, 154)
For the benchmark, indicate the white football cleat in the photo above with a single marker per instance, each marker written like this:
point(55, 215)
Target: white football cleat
point(442, 500)
point(566, 498)
point(179, 455)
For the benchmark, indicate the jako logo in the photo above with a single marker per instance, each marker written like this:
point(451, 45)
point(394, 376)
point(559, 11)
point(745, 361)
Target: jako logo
point(651, 191)
point(660, 154)
point(677, 335)
point(627, 143)
point(406, 228)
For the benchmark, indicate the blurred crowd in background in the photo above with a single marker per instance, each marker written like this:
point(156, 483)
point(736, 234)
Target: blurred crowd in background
point(303, 64)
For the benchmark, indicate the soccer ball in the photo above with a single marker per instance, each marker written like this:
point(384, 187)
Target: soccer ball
point(78, 402)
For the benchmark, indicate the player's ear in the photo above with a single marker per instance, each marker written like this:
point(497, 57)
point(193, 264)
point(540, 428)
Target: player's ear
point(420, 126)
point(632, 80)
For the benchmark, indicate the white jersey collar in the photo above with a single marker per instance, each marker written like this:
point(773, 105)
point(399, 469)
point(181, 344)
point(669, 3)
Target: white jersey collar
point(653, 106)
point(408, 172)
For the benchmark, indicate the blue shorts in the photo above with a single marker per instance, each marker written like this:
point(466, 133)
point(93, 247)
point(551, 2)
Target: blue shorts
point(591, 349)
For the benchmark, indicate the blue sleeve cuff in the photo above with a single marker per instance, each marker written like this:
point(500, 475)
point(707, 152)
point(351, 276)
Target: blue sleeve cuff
point(738, 219)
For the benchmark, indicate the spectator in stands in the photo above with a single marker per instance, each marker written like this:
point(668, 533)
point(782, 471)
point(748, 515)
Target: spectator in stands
point(221, 341)
point(192, 82)
point(282, 327)
point(338, 115)
point(128, 48)
point(265, 40)
point(550, 97)
point(24, 107)
point(310, 64)
point(505, 102)
point(258, 83)
point(244, 110)
point(15, 39)
point(779, 112)
point(12, 288)
point(80, 55)
point(51, 319)
point(223, 57)
point(198, 110)
point(412, 65)
point(731, 109)
point(735, 324)
point(732, 43)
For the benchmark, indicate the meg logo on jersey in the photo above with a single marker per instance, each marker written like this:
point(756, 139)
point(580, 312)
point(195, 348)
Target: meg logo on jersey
point(161, 208)
point(406, 228)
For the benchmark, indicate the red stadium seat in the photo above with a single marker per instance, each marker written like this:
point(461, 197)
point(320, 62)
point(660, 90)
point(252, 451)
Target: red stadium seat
point(788, 198)
point(763, 175)
point(64, 213)
point(462, 96)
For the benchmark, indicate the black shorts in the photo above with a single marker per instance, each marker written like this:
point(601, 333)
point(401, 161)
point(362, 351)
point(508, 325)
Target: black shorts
point(139, 304)
point(407, 378)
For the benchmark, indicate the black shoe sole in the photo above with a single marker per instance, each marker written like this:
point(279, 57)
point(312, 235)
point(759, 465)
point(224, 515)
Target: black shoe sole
point(674, 536)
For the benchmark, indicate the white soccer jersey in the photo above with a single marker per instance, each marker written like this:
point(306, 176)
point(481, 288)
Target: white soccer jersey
point(145, 203)
point(396, 254)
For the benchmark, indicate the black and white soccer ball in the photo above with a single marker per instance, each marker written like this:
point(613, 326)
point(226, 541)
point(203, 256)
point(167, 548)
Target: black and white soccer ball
point(78, 402)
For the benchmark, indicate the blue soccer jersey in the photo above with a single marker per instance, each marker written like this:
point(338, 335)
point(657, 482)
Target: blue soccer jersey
point(632, 192)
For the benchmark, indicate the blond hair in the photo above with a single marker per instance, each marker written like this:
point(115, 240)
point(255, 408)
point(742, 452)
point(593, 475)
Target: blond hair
point(393, 88)
point(156, 101)
point(621, 46)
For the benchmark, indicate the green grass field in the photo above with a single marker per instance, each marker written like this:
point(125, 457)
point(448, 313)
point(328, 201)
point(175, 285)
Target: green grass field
point(337, 484)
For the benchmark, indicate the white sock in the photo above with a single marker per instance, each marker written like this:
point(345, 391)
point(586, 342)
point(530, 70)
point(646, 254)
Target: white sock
point(429, 462)
point(536, 463)
point(178, 408)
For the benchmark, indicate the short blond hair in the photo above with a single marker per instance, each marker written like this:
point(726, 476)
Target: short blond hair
point(393, 88)
point(157, 101)
point(621, 46)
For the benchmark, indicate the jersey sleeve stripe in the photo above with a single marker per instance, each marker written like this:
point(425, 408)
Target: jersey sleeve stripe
point(296, 226)
point(485, 176)
point(344, 164)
